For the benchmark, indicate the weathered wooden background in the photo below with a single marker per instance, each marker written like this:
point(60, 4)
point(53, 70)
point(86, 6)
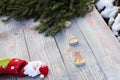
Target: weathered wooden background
point(97, 45)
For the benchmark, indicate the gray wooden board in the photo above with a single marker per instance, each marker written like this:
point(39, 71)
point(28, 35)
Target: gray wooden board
point(90, 71)
point(45, 49)
point(102, 42)
point(97, 45)
point(12, 43)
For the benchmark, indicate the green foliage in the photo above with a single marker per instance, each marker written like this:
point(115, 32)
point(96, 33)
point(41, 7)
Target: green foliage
point(51, 13)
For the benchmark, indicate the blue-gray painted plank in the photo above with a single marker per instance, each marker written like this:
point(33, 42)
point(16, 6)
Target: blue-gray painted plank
point(90, 71)
point(103, 43)
point(45, 49)
point(96, 43)
point(12, 45)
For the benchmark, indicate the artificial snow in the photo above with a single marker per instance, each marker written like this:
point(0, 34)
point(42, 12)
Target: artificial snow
point(111, 21)
point(104, 3)
point(116, 25)
point(110, 11)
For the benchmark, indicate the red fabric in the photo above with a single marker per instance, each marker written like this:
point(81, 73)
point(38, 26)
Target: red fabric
point(21, 74)
point(44, 70)
point(15, 66)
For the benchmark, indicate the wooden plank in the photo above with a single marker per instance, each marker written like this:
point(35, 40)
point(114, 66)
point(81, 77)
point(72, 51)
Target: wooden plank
point(96, 43)
point(102, 42)
point(12, 44)
point(90, 71)
point(45, 49)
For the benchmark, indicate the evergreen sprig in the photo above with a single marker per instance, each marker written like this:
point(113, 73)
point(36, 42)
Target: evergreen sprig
point(52, 13)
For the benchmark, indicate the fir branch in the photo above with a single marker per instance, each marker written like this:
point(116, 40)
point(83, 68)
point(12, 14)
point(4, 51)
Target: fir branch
point(52, 13)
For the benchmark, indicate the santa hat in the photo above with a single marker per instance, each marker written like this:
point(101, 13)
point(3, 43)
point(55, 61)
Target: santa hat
point(43, 71)
point(35, 68)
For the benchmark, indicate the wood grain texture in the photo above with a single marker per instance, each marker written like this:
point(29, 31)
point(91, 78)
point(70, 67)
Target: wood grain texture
point(45, 49)
point(12, 43)
point(102, 42)
point(90, 71)
point(97, 45)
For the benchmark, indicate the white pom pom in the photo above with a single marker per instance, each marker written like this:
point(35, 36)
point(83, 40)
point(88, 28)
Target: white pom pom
point(41, 76)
